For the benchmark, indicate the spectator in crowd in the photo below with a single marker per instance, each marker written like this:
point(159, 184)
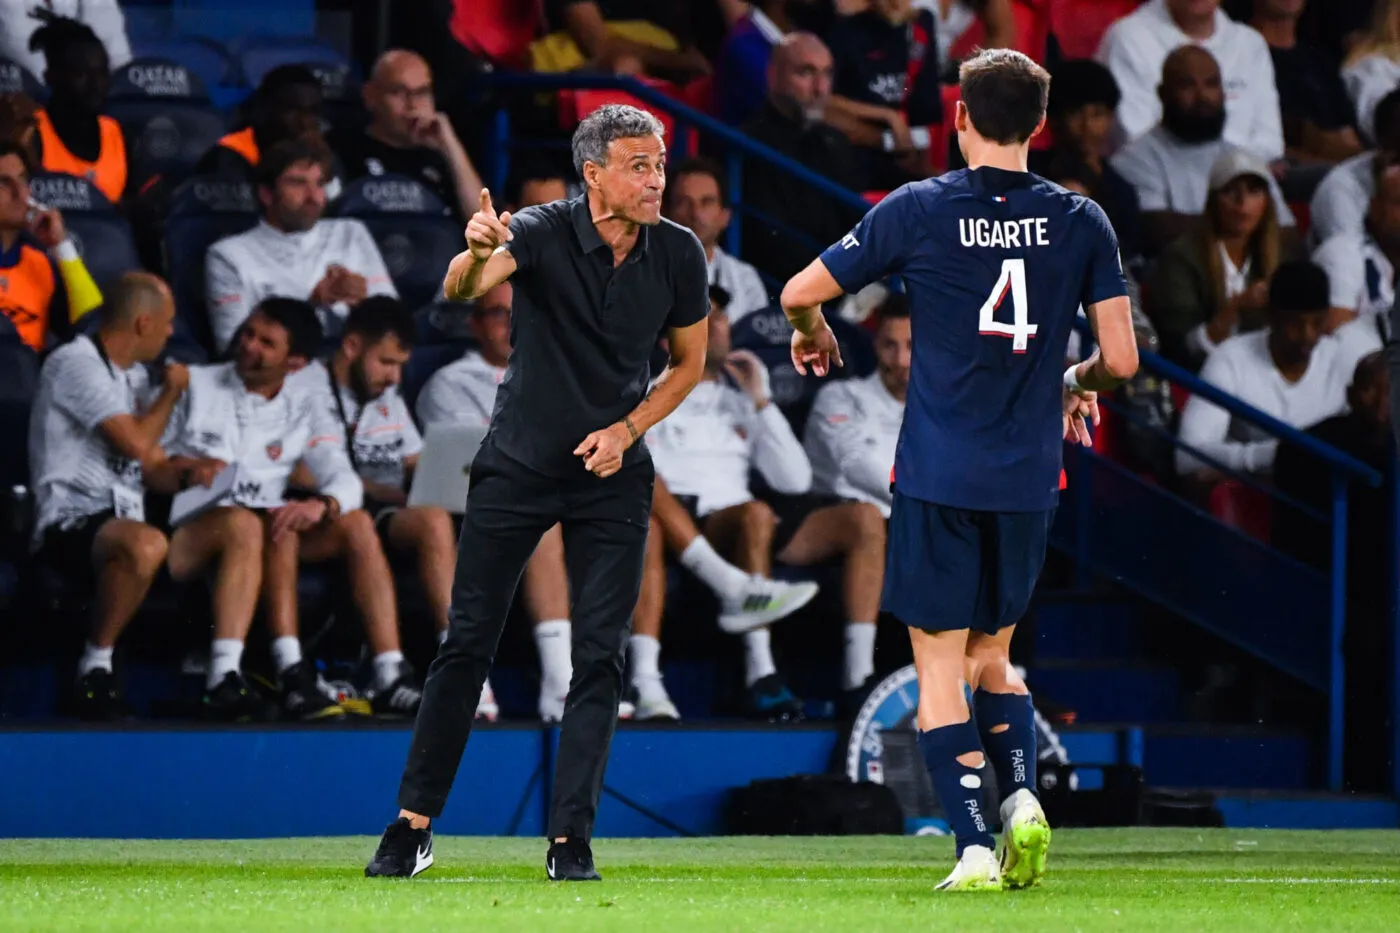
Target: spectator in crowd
point(622, 36)
point(1318, 122)
point(1083, 96)
point(799, 90)
point(1213, 282)
point(1361, 266)
point(1337, 26)
point(953, 18)
point(1285, 370)
point(1136, 48)
point(1372, 69)
point(73, 135)
point(1170, 165)
point(464, 392)
point(1342, 199)
point(408, 135)
point(704, 452)
point(294, 252)
point(96, 426)
point(850, 439)
point(19, 123)
point(696, 198)
point(286, 105)
point(538, 183)
point(241, 415)
point(744, 54)
point(31, 290)
point(358, 389)
point(21, 19)
point(885, 90)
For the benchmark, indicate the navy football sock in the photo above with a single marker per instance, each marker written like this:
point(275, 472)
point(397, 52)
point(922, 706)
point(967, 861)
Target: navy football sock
point(959, 786)
point(1012, 751)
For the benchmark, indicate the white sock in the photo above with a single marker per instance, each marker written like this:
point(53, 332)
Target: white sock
point(758, 656)
point(718, 574)
point(554, 640)
point(860, 654)
point(645, 654)
point(286, 651)
point(225, 657)
point(94, 658)
point(387, 666)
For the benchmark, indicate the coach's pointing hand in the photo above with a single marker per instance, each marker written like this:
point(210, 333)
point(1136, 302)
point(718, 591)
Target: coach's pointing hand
point(486, 231)
point(602, 450)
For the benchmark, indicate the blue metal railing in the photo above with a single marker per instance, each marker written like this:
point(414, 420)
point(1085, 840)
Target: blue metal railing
point(1326, 673)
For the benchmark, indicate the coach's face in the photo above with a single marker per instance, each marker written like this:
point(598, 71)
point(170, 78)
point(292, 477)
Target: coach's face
point(893, 351)
point(633, 180)
point(263, 347)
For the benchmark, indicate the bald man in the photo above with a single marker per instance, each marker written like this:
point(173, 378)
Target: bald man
point(95, 431)
point(408, 135)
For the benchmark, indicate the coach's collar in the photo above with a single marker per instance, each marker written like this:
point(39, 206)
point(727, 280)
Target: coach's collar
point(587, 233)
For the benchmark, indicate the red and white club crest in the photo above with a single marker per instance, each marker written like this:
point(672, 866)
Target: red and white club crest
point(383, 411)
point(274, 450)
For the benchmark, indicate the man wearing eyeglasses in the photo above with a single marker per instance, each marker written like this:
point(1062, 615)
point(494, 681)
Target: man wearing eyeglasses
point(408, 135)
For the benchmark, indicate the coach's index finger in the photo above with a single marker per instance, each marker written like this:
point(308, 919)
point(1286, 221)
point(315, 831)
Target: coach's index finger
point(485, 203)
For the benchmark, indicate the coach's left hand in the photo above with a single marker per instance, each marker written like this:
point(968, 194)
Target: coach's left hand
point(602, 450)
point(1077, 411)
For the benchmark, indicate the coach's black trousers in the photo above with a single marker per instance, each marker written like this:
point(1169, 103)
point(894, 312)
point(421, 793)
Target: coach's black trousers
point(508, 509)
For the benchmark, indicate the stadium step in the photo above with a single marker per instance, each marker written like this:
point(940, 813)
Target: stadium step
point(1087, 628)
point(1107, 692)
point(1262, 809)
point(1225, 756)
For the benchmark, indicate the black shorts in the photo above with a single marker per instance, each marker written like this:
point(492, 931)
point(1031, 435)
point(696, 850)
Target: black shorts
point(69, 549)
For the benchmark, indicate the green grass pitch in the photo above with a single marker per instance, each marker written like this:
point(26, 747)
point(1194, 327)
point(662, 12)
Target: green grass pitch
point(1129, 879)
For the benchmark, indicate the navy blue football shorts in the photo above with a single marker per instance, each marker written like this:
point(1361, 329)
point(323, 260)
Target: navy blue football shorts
point(949, 568)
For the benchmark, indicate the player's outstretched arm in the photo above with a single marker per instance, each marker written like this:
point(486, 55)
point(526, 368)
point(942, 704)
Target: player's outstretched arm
point(812, 341)
point(1115, 360)
point(486, 262)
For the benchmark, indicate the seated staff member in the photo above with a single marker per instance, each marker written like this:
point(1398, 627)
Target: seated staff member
point(95, 427)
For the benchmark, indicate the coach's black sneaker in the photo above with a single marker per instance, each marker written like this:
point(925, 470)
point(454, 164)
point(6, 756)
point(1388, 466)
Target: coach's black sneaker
point(399, 700)
point(95, 697)
point(231, 700)
point(403, 851)
point(302, 696)
point(570, 860)
point(769, 698)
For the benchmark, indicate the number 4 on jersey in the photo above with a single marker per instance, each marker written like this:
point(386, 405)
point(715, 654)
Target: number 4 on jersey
point(1012, 281)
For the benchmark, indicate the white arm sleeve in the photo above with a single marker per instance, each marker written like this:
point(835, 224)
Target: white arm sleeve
point(1138, 107)
point(833, 434)
point(370, 263)
point(1205, 426)
point(230, 298)
point(776, 452)
point(325, 457)
point(1341, 258)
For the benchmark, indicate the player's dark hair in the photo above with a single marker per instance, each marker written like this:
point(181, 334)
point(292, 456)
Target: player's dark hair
point(1005, 93)
point(287, 153)
point(894, 308)
point(1299, 287)
point(299, 318)
point(1078, 83)
point(700, 165)
point(1385, 122)
point(58, 35)
point(26, 158)
point(720, 296)
point(377, 317)
point(283, 76)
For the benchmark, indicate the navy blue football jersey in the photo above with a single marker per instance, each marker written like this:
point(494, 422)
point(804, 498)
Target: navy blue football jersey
point(996, 265)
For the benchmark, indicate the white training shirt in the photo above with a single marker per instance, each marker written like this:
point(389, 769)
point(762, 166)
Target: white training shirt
point(1243, 367)
point(242, 270)
point(1170, 175)
point(74, 468)
point(219, 418)
point(463, 392)
point(747, 293)
point(1367, 81)
point(384, 432)
point(706, 447)
point(1136, 47)
point(1342, 198)
point(850, 439)
point(1359, 276)
point(1360, 338)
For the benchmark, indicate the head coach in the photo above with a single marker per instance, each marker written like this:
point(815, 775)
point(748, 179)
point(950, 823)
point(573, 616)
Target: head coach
point(597, 280)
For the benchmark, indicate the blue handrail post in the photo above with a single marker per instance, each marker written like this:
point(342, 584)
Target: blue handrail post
point(1395, 626)
point(680, 139)
point(734, 165)
point(500, 161)
point(1336, 687)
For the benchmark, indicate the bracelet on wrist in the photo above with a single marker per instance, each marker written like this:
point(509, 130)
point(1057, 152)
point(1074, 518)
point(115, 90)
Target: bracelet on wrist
point(631, 428)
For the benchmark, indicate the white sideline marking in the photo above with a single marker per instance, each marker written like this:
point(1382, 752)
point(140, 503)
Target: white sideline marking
point(885, 879)
point(1304, 880)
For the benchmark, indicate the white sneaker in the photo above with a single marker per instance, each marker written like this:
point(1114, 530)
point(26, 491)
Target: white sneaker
point(977, 870)
point(552, 702)
point(653, 703)
point(764, 602)
point(1025, 840)
point(486, 707)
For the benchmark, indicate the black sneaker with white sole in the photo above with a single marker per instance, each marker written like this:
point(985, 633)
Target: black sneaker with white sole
point(403, 851)
point(302, 696)
point(570, 860)
point(231, 700)
point(399, 700)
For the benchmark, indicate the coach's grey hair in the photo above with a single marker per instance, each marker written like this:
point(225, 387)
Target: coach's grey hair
point(607, 123)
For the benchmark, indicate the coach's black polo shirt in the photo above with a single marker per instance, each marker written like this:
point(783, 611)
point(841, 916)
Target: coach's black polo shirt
point(583, 331)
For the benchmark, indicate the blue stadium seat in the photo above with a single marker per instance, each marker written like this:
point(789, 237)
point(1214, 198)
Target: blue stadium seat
point(166, 117)
point(412, 228)
point(768, 335)
point(203, 57)
point(442, 321)
point(261, 55)
point(16, 79)
point(425, 361)
point(103, 236)
point(203, 211)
